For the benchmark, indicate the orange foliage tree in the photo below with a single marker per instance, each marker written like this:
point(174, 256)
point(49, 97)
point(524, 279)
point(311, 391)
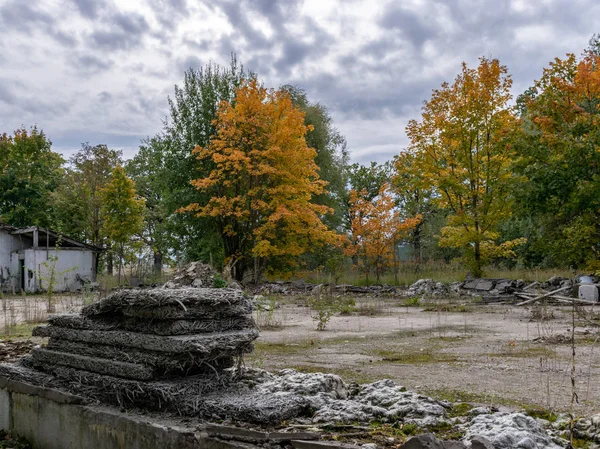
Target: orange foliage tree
point(262, 183)
point(376, 227)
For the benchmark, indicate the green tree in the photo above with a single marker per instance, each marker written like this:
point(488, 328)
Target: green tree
point(146, 169)
point(123, 212)
point(29, 172)
point(559, 158)
point(78, 200)
point(193, 110)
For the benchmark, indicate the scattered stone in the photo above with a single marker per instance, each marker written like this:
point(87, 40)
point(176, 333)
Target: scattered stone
point(510, 431)
point(479, 442)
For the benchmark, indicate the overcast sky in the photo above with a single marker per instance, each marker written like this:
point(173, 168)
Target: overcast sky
point(100, 71)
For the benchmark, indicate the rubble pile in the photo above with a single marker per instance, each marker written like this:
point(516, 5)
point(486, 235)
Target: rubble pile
point(194, 274)
point(151, 341)
point(427, 287)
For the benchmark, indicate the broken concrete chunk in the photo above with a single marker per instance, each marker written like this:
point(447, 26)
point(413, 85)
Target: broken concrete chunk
point(479, 442)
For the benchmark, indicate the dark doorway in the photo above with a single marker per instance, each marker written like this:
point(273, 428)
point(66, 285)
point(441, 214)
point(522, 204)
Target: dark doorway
point(22, 273)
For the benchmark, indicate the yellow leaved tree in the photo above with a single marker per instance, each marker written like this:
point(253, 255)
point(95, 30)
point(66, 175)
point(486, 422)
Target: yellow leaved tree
point(262, 182)
point(462, 147)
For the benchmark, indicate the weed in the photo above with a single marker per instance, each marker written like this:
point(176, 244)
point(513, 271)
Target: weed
point(265, 314)
point(412, 301)
point(347, 306)
point(323, 309)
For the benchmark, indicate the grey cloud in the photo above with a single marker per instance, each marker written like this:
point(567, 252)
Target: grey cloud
point(411, 25)
point(169, 12)
point(6, 96)
point(21, 17)
point(88, 8)
point(104, 96)
point(92, 64)
point(120, 31)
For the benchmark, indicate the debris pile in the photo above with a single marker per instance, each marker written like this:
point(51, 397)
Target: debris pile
point(427, 287)
point(194, 274)
point(151, 341)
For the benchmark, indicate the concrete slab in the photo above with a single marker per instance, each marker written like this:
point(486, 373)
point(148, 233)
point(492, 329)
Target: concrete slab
point(4, 409)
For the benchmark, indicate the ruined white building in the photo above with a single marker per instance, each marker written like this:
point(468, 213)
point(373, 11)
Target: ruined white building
point(30, 258)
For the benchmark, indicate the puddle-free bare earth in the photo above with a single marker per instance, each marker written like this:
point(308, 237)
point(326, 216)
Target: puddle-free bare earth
point(488, 354)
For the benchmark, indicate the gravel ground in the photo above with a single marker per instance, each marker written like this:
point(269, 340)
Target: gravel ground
point(487, 354)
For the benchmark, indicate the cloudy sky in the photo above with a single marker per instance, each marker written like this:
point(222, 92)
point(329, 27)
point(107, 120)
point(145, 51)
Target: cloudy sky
point(100, 71)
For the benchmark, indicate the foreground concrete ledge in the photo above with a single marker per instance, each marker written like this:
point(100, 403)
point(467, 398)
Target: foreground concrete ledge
point(51, 419)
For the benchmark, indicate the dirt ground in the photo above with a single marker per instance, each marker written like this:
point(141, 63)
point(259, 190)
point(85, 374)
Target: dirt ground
point(454, 350)
point(458, 349)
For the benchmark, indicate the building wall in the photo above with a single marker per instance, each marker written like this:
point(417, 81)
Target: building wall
point(9, 265)
point(69, 264)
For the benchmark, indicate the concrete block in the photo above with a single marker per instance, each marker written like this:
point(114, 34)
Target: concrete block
point(48, 425)
point(588, 292)
point(485, 285)
point(4, 409)
point(256, 436)
point(298, 444)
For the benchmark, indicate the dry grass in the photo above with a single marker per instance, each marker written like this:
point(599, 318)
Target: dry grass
point(409, 273)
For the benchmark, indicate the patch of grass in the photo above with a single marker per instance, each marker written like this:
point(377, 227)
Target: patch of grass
point(455, 395)
point(460, 409)
point(447, 307)
point(524, 351)
point(283, 348)
point(22, 330)
point(412, 301)
point(541, 413)
point(416, 357)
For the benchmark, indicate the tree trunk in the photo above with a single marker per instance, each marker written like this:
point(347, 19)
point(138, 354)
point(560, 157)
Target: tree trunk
point(109, 260)
point(158, 262)
point(477, 265)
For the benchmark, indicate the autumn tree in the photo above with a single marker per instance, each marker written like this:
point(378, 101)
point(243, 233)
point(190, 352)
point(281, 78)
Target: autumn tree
point(376, 227)
point(29, 172)
point(332, 155)
point(559, 159)
point(262, 183)
point(462, 146)
point(123, 212)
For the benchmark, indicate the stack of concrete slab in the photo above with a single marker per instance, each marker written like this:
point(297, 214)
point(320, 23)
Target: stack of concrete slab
point(149, 335)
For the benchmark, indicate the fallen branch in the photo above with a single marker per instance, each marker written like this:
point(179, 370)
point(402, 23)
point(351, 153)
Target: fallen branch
point(545, 295)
